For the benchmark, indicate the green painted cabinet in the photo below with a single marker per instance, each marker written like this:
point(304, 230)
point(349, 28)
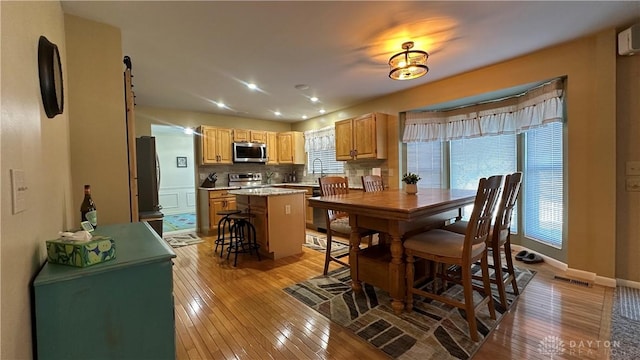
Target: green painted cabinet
point(120, 309)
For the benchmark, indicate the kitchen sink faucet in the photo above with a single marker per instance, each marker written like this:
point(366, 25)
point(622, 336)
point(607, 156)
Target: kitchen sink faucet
point(313, 165)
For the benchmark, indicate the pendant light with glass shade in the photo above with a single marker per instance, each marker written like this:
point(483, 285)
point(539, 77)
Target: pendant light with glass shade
point(409, 64)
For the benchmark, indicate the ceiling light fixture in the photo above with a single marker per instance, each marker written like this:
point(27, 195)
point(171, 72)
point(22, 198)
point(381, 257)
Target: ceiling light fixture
point(277, 113)
point(409, 64)
point(313, 99)
point(252, 86)
point(221, 105)
point(322, 111)
point(304, 117)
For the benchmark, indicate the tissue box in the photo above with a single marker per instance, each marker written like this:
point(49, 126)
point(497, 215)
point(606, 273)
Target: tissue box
point(81, 254)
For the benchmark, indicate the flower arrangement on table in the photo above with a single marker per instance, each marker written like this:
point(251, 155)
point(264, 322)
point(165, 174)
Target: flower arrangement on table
point(411, 178)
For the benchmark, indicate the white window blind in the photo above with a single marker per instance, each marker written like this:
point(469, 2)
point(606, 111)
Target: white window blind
point(543, 185)
point(328, 159)
point(320, 146)
point(472, 159)
point(425, 159)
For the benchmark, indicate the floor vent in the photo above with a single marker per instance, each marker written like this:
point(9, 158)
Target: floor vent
point(573, 281)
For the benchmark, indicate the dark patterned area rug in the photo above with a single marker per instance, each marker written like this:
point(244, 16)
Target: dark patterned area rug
point(625, 322)
point(431, 331)
point(319, 243)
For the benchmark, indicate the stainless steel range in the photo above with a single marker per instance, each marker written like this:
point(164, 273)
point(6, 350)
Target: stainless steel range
point(245, 180)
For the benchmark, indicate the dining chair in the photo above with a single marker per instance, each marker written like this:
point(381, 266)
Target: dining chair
point(371, 183)
point(500, 237)
point(337, 222)
point(449, 248)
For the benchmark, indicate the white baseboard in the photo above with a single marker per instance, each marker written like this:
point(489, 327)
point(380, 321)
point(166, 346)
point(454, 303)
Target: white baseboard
point(575, 273)
point(628, 283)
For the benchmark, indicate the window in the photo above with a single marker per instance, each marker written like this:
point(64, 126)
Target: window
point(321, 151)
point(327, 161)
point(472, 159)
point(543, 185)
point(425, 159)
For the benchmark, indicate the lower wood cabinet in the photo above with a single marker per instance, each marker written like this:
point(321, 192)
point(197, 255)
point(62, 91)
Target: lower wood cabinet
point(120, 309)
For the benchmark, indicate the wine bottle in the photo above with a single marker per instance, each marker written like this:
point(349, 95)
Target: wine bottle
point(88, 208)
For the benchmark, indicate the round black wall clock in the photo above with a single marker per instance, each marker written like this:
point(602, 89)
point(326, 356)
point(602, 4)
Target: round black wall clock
point(50, 70)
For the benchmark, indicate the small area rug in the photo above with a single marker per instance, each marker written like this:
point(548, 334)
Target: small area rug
point(431, 331)
point(178, 222)
point(184, 239)
point(625, 322)
point(319, 243)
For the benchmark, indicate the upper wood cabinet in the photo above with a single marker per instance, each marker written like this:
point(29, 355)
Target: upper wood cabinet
point(215, 145)
point(272, 147)
point(242, 135)
point(291, 148)
point(363, 137)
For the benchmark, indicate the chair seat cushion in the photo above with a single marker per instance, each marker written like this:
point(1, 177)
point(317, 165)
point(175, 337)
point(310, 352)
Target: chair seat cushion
point(441, 243)
point(460, 227)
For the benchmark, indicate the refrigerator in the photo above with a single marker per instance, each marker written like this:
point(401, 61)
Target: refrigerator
point(148, 168)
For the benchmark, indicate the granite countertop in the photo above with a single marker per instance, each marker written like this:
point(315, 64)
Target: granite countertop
point(220, 188)
point(266, 191)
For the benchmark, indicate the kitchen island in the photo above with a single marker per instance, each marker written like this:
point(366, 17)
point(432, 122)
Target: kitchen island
point(279, 218)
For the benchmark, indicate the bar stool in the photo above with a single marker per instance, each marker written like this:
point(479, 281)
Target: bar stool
point(243, 236)
point(224, 223)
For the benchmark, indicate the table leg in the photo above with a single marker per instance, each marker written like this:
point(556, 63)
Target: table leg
point(354, 242)
point(396, 274)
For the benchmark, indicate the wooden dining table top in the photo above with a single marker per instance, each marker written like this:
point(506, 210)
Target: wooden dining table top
point(395, 204)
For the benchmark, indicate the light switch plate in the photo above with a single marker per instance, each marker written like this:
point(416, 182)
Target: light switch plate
point(18, 190)
point(633, 168)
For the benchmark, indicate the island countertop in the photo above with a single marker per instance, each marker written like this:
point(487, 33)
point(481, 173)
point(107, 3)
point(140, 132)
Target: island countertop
point(266, 191)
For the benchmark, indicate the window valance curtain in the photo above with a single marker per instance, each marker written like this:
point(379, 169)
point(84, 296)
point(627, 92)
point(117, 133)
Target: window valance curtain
point(320, 139)
point(534, 108)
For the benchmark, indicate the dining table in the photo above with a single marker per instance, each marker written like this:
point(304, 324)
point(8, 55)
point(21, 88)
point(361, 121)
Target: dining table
point(395, 215)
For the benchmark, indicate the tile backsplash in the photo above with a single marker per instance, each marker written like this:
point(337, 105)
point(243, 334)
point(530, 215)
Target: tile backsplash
point(352, 169)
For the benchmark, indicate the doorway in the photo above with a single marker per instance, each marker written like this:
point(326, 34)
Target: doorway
point(177, 193)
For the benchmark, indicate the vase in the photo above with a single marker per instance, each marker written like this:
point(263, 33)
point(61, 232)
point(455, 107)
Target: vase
point(411, 189)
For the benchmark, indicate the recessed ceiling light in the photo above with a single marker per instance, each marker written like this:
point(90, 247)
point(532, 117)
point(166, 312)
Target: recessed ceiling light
point(252, 86)
point(322, 111)
point(221, 105)
point(188, 131)
point(302, 87)
point(313, 99)
point(304, 117)
point(277, 113)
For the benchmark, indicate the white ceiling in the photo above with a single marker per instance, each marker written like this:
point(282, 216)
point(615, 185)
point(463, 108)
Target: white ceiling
point(191, 55)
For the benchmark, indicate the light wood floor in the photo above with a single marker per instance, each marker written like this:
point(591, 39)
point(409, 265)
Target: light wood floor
point(224, 312)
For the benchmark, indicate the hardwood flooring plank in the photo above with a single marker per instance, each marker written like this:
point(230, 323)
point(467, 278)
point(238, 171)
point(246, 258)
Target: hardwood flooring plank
point(226, 312)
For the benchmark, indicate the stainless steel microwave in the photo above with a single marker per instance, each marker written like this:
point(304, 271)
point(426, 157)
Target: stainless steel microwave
point(249, 152)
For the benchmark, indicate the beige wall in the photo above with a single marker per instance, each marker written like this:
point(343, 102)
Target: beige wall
point(628, 149)
point(97, 118)
point(145, 116)
point(38, 145)
point(590, 66)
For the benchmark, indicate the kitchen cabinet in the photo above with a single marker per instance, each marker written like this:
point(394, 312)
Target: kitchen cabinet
point(254, 136)
point(291, 148)
point(219, 200)
point(272, 147)
point(363, 137)
point(215, 145)
point(278, 220)
point(119, 309)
